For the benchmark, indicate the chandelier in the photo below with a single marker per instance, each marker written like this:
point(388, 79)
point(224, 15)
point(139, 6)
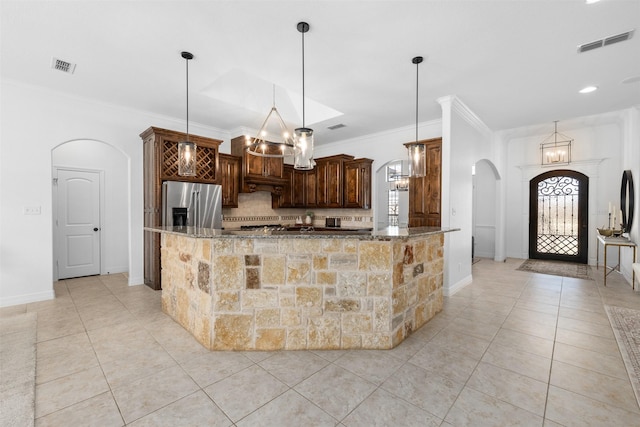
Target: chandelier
point(282, 147)
point(554, 151)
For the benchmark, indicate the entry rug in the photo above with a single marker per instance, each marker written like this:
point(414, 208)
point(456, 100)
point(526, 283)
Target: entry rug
point(626, 327)
point(17, 369)
point(557, 268)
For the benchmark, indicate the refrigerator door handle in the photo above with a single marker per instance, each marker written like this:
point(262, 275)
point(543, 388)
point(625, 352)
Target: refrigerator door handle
point(196, 196)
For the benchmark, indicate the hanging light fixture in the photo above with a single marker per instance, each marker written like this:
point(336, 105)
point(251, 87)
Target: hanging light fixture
point(259, 146)
point(303, 138)
point(555, 152)
point(416, 151)
point(187, 149)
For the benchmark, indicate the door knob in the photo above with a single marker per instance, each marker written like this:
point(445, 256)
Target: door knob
point(95, 229)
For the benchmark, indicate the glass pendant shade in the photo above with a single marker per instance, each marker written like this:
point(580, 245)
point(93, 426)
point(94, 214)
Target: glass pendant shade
point(187, 158)
point(303, 141)
point(186, 149)
point(417, 159)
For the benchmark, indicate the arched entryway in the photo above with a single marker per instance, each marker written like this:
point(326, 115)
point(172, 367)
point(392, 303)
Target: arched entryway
point(558, 216)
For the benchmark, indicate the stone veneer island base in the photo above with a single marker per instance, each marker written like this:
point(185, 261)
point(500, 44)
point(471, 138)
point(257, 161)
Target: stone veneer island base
point(254, 291)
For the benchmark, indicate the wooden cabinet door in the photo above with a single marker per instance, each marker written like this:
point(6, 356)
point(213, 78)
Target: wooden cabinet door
point(424, 192)
point(299, 189)
point(357, 184)
point(230, 177)
point(330, 174)
point(311, 188)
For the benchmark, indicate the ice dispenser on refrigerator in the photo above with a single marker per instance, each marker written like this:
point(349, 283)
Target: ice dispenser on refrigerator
point(191, 204)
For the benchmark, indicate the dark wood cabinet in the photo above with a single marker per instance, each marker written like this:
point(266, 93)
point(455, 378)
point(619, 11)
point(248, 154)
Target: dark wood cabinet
point(330, 180)
point(357, 184)
point(160, 163)
point(425, 192)
point(259, 172)
point(230, 167)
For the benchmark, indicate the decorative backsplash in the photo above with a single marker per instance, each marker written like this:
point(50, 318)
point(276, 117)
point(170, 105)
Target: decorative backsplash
point(255, 209)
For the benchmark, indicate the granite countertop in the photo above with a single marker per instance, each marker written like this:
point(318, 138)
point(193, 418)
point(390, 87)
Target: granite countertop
point(386, 233)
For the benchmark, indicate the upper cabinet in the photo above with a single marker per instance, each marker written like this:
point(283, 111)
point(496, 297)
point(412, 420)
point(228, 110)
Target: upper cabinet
point(425, 192)
point(336, 182)
point(230, 167)
point(165, 155)
point(357, 184)
point(330, 180)
point(258, 172)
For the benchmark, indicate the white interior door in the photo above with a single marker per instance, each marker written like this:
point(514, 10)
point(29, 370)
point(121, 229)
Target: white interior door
point(78, 223)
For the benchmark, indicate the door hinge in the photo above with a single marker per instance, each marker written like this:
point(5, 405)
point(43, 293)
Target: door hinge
point(55, 181)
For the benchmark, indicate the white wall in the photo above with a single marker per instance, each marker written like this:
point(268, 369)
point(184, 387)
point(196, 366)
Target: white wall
point(35, 121)
point(465, 140)
point(114, 235)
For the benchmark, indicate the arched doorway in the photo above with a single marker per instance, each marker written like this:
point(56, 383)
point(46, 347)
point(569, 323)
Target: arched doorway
point(85, 156)
point(558, 216)
point(484, 218)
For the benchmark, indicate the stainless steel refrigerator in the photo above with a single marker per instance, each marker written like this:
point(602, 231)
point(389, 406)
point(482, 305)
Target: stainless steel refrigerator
point(191, 205)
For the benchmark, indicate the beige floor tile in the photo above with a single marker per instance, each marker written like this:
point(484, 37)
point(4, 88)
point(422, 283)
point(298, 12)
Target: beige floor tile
point(146, 395)
point(422, 388)
point(473, 408)
point(383, 409)
point(606, 346)
point(585, 316)
point(293, 366)
point(66, 391)
point(525, 342)
point(374, 366)
point(335, 390)
point(608, 365)
point(98, 411)
point(519, 361)
point(537, 306)
point(508, 386)
point(573, 409)
point(242, 393)
point(136, 365)
point(215, 366)
point(65, 363)
point(491, 307)
point(481, 316)
point(530, 327)
point(13, 310)
point(539, 318)
point(597, 386)
point(448, 364)
point(288, 410)
point(479, 330)
point(466, 345)
point(604, 331)
point(179, 343)
point(194, 410)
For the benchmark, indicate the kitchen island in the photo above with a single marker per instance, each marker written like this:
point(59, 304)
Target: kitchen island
point(286, 290)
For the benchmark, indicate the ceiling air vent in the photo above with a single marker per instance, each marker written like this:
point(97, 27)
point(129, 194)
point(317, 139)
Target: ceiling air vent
point(64, 66)
point(338, 126)
point(605, 42)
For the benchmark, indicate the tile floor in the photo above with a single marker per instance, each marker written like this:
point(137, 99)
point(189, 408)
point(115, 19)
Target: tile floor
point(512, 348)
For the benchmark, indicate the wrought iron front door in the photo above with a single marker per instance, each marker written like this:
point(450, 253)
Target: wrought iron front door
point(558, 219)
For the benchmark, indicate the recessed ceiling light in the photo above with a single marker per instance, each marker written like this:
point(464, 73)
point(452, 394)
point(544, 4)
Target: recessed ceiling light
point(589, 89)
point(632, 79)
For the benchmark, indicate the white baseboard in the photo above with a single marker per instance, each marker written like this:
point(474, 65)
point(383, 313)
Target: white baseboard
point(136, 281)
point(451, 290)
point(27, 298)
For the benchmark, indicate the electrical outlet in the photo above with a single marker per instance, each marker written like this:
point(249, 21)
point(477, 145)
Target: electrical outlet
point(31, 210)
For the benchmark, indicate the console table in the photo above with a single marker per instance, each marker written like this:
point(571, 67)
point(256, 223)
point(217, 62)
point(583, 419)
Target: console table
point(619, 242)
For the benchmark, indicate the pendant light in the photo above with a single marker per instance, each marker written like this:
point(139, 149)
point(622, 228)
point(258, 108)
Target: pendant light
point(259, 146)
point(554, 152)
point(187, 149)
point(303, 137)
point(416, 151)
